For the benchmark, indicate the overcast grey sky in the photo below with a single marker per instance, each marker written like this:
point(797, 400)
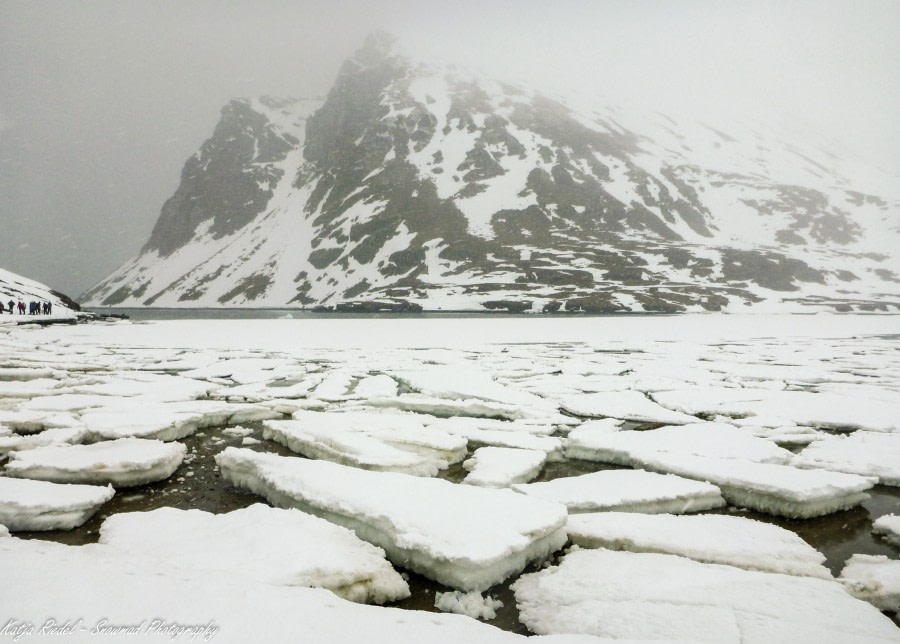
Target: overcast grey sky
point(102, 102)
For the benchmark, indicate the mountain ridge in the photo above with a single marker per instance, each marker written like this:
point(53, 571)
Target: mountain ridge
point(411, 187)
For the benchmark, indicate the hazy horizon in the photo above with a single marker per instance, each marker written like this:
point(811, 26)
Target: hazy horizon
point(104, 102)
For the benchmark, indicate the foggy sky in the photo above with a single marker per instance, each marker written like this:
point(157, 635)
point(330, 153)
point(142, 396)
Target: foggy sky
point(102, 102)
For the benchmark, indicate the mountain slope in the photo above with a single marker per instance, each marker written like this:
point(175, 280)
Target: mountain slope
point(420, 187)
point(17, 288)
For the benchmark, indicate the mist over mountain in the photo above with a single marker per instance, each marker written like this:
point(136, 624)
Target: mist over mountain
point(420, 186)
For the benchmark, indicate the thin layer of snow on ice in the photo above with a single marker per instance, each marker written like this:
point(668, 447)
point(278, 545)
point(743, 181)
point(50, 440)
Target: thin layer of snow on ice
point(865, 453)
point(888, 527)
point(126, 462)
point(56, 436)
point(729, 540)
point(103, 585)
point(39, 505)
point(771, 488)
point(422, 524)
point(270, 545)
point(459, 383)
point(875, 579)
point(657, 596)
point(423, 404)
point(627, 491)
point(473, 604)
point(624, 405)
point(376, 386)
point(503, 466)
point(334, 442)
point(476, 434)
point(702, 439)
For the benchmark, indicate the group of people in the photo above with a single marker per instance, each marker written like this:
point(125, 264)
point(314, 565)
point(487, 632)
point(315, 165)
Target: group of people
point(33, 308)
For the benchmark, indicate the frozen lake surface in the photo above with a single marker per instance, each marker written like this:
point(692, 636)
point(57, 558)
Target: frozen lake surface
point(785, 416)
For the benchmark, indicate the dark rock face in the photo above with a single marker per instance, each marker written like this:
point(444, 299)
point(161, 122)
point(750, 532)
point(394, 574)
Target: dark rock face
point(411, 188)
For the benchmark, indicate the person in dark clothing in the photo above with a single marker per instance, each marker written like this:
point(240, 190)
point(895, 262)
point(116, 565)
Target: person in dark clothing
point(12, 304)
point(21, 307)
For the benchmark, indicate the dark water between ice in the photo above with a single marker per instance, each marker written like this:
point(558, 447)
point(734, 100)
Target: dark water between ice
point(837, 536)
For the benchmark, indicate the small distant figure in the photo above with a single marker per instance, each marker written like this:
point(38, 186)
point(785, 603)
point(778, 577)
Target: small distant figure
point(45, 308)
point(21, 307)
point(12, 304)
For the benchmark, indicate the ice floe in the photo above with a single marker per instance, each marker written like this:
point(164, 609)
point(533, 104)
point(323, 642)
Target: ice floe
point(866, 453)
point(123, 463)
point(39, 505)
point(875, 579)
point(105, 589)
point(423, 524)
point(776, 489)
point(503, 466)
point(888, 527)
point(627, 491)
point(271, 545)
point(657, 596)
point(702, 439)
point(473, 604)
point(709, 538)
point(624, 405)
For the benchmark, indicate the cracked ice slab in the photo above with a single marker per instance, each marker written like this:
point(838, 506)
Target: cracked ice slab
point(503, 466)
point(426, 525)
point(733, 541)
point(626, 491)
point(864, 453)
point(771, 488)
point(40, 505)
point(270, 545)
point(337, 443)
point(875, 579)
point(658, 596)
point(624, 405)
point(702, 439)
point(888, 527)
point(102, 584)
point(123, 463)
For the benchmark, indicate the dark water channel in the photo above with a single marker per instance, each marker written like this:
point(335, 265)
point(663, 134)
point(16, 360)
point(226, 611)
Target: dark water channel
point(197, 484)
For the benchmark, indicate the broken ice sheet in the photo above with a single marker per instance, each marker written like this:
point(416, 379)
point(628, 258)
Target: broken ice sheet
point(734, 541)
point(126, 462)
point(888, 526)
point(875, 579)
point(271, 545)
point(421, 523)
point(40, 505)
point(624, 405)
point(865, 453)
point(627, 491)
point(503, 466)
point(658, 596)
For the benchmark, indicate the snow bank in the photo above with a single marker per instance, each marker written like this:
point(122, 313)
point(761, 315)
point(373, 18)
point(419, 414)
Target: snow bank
point(270, 545)
point(875, 579)
point(40, 505)
point(503, 466)
point(733, 541)
point(123, 463)
point(781, 490)
point(657, 596)
point(427, 525)
point(627, 491)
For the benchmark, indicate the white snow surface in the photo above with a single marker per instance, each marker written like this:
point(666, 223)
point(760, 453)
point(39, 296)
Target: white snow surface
point(701, 439)
point(781, 490)
point(657, 596)
point(721, 539)
point(625, 405)
point(626, 491)
point(422, 524)
point(40, 505)
point(269, 545)
point(503, 466)
point(105, 587)
point(865, 453)
point(888, 526)
point(126, 462)
point(473, 604)
point(875, 579)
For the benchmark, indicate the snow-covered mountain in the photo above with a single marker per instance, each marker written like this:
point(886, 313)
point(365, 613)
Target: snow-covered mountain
point(414, 186)
point(17, 288)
